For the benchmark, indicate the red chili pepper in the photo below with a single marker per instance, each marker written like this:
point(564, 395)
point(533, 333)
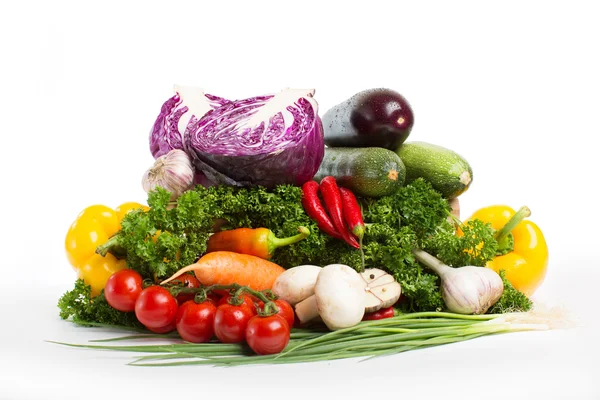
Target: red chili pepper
point(379, 314)
point(352, 213)
point(313, 207)
point(333, 202)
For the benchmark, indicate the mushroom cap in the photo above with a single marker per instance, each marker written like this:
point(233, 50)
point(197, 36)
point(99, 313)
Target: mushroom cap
point(340, 295)
point(296, 284)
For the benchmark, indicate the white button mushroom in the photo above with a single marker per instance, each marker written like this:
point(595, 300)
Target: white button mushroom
point(339, 298)
point(296, 284)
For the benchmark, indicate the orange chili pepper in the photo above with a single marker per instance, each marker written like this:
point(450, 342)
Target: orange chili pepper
point(259, 242)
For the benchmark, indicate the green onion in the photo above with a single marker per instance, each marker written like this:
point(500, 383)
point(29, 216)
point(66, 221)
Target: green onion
point(366, 340)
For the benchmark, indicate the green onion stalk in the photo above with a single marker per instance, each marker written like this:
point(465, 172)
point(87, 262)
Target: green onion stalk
point(367, 339)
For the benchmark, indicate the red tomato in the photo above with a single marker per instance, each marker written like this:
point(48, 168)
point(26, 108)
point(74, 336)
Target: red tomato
point(380, 314)
point(285, 310)
point(267, 335)
point(122, 289)
point(195, 321)
point(164, 329)
point(214, 298)
point(231, 322)
point(247, 301)
point(186, 280)
point(155, 307)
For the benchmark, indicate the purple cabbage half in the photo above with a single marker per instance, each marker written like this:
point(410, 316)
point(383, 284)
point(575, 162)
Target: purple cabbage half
point(175, 114)
point(266, 141)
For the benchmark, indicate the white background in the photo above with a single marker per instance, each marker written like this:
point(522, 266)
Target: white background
point(512, 86)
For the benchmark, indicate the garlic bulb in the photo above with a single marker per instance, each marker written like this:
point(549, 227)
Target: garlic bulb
point(465, 290)
point(173, 172)
point(471, 290)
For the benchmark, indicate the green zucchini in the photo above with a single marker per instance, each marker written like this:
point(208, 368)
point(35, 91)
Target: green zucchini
point(366, 171)
point(448, 172)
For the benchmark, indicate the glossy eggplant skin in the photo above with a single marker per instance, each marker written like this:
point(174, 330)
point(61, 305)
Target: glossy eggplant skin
point(371, 118)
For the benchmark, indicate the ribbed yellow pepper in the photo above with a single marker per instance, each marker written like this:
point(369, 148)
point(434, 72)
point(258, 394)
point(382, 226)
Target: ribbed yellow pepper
point(93, 227)
point(522, 252)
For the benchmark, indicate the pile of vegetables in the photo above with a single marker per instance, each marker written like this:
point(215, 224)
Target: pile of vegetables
point(267, 227)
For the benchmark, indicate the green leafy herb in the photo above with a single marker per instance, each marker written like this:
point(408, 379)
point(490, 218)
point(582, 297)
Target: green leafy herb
point(476, 246)
point(511, 301)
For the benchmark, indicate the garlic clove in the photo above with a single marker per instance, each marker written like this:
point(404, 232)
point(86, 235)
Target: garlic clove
point(381, 289)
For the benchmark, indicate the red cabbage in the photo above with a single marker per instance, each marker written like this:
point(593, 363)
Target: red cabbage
point(266, 140)
point(167, 132)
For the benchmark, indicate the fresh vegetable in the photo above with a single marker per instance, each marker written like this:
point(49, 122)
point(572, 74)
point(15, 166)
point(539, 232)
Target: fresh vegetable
point(448, 172)
point(186, 280)
point(266, 141)
point(380, 314)
point(170, 327)
point(195, 321)
point(231, 322)
point(395, 335)
point(333, 203)
point(339, 298)
point(522, 249)
point(188, 103)
point(296, 284)
point(381, 289)
point(155, 307)
point(415, 216)
point(465, 290)
point(226, 267)
point(123, 209)
point(512, 300)
point(285, 311)
point(267, 335)
point(259, 242)
point(352, 213)
point(371, 118)
point(173, 171)
point(122, 290)
point(367, 172)
point(92, 227)
point(314, 208)
point(243, 300)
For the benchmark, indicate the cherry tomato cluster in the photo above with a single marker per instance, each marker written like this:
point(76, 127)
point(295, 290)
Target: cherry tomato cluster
point(160, 312)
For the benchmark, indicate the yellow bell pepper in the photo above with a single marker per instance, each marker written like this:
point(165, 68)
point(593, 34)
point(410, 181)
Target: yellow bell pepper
point(93, 227)
point(522, 252)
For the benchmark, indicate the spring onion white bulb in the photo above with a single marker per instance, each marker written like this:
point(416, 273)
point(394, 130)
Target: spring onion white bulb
point(465, 290)
point(173, 172)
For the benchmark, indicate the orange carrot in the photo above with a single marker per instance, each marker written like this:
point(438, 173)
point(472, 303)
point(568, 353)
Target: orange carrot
point(226, 267)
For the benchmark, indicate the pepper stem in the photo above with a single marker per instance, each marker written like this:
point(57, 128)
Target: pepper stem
point(516, 219)
point(274, 242)
point(111, 246)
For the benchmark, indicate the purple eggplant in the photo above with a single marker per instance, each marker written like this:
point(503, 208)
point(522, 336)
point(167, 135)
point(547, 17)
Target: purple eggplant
point(371, 118)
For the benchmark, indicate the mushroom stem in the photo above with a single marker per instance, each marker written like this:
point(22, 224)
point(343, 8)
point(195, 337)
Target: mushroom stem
point(307, 310)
